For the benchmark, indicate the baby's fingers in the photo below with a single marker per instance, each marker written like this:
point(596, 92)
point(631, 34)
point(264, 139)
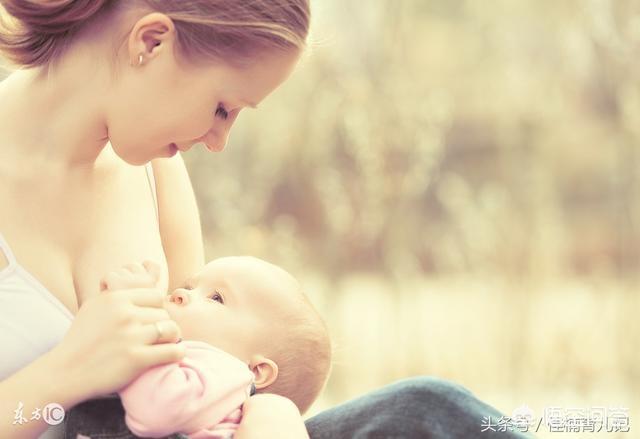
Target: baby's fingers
point(156, 271)
point(136, 268)
point(162, 331)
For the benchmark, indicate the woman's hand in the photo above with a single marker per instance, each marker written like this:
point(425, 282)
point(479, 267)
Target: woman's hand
point(113, 338)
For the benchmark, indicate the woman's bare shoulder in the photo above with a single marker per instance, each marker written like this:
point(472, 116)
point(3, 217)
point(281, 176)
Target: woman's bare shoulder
point(179, 219)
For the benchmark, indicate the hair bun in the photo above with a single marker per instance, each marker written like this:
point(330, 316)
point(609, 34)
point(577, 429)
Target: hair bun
point(38, 26)
point(52, 16)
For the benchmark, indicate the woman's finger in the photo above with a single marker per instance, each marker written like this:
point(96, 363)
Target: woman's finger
point(162, 353)
point(146, 297)
point(151, 315)
point(163, 331)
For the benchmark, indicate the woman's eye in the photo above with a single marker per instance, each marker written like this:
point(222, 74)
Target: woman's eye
point(217, 297)
point(222, 113)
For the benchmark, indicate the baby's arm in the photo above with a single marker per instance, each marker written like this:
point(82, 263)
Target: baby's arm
point(190, 396)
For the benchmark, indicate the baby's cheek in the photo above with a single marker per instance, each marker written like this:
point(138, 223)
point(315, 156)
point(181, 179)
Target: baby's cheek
point(193, 324)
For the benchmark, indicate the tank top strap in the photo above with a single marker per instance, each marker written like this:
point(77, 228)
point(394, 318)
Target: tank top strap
point(5, 250)
point(152, 184)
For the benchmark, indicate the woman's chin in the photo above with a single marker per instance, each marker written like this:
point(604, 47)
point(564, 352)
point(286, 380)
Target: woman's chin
point(137, 158)
point(137, 161)
point(168, 151)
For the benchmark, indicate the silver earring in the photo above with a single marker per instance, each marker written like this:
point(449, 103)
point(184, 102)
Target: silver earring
point(140, 59)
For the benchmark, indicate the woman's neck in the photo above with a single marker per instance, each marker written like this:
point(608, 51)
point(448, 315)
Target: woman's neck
point(54, 119)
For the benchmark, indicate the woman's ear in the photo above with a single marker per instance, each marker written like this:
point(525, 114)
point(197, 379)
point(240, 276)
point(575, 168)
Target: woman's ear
point(264, 370)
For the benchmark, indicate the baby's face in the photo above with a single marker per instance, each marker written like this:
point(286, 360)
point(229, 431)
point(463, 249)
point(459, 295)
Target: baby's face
point(231, 304)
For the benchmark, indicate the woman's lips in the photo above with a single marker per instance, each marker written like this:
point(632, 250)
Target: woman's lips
point(173, 149)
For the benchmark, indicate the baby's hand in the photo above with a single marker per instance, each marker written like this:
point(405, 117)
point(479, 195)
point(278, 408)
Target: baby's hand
point(145, 275)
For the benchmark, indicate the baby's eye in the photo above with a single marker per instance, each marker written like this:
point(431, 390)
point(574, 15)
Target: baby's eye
point(217, 297)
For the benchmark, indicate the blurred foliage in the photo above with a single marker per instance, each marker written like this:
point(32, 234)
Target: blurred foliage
point(442, 136)
point(457, 184)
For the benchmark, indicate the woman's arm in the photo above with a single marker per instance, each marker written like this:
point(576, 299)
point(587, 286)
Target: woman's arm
point(111, 341)
point(179, 220)
point(269, 415)
point(42, 382)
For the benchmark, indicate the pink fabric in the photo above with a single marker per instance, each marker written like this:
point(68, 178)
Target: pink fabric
point(200, 396)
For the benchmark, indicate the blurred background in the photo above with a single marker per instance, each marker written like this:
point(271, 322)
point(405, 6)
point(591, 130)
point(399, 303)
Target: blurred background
point(456, 184)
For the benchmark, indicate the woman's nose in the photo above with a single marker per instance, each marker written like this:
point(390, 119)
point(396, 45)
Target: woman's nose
point(180, 297)
point(217, 137)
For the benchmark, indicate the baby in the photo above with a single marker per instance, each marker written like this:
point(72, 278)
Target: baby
point(246, 326)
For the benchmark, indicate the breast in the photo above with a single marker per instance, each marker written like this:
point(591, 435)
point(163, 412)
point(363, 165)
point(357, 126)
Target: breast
point(66, 236)
point(124, 229)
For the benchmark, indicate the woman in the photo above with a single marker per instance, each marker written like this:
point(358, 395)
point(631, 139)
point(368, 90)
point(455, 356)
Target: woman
point(105, 87)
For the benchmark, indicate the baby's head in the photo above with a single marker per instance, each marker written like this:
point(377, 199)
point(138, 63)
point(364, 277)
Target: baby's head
point(257, 312)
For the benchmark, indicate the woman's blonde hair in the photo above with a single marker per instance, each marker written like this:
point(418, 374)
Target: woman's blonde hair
point(37, 32)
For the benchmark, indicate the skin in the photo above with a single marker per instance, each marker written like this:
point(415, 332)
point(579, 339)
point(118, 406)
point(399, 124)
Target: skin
point(68, 138)
point(146, 110)
point(231, 304)
point(140, 109)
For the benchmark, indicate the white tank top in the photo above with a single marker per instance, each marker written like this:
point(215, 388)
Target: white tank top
point(32, 319)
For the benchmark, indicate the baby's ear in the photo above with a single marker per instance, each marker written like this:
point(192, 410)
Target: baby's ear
point(264, 370)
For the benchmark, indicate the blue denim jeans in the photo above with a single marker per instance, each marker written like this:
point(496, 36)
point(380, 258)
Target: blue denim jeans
point(420, 407)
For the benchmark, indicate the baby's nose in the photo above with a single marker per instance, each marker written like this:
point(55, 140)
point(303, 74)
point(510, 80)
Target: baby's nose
point(180, 296)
